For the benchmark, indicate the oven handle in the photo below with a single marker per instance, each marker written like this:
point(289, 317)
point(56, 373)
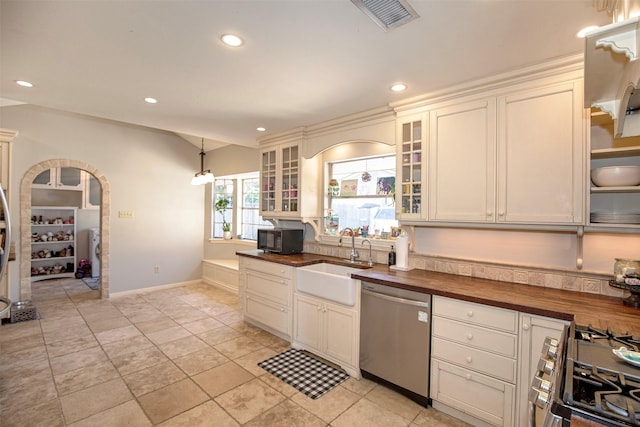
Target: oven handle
point(396, 299)
point(532, 415)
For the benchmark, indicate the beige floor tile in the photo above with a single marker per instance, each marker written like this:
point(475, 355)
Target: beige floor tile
point(153, 378)
point(249, 400)
point(117, 334)
point(222, 378)
point(45, 414)
point(19, 344)
point(250, 361)
point(119, 348)
point(52, 325)
point(27, 394)
point(186, 316)
point(183, 346)
point(138, 360)
point(245, 328)
point(84, 377)
point(202, 325)
point(172, 400)
point(12, 331)
point(214, 309)
point(126, 414)
point(394, 402)
point(287, 414)
point(238, 347)
point(168, 335)
point(200, 361)
point(79, 405)
point(202, 416)
point(79, 359)
point(66, 332)
point(429, 417)
point(276, 383)
point(368, 414)
point(230, 317)
point(219, 335)
point(23, 374)
point(270, 340)
point(72, 345)
point(26, 355)
point(361, 386)
point(106, 324)
point(156, 325)
point(330, 405)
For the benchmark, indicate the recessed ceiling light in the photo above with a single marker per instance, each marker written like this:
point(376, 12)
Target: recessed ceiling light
point(24, 83)
point(585, 30)
point(231, 40)
point(151, 100)
point(399, 87)
point(261, 129)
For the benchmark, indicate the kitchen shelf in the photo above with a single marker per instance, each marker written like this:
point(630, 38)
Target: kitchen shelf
point(43, 268)
point(610, 153)
point(628, 189)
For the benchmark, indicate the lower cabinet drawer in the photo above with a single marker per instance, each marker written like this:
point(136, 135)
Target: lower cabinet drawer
point(475, 394)
point(475, 336)
point(492, 364)
point(272, 315)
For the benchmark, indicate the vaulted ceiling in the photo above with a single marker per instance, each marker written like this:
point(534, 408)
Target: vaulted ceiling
point(302, 62)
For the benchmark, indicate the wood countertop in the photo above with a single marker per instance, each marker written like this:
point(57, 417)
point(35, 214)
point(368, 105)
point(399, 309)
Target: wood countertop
point(599, 311)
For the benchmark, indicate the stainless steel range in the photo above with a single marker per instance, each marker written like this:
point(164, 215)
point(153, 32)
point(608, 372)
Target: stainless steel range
point(580, 376)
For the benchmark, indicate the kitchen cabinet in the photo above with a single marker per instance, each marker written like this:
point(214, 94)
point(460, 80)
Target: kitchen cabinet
point(541, 155)
point(60, 179)
point(289, 184)
point(462, 162)
point(533, 331)
point(7, 137)
point(266, 295)
point(91, 191)
point(5, 150)
point(474, 359)
point(327, 329)
point(411, 166)
point(605, 150)
point(53, 252)
point(508, 155)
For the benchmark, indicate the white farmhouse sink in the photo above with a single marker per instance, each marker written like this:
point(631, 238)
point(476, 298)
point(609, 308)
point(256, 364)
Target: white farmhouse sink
point(328, 281)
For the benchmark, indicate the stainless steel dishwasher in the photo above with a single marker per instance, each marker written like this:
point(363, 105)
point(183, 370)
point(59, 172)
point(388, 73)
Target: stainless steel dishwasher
point(395, 339)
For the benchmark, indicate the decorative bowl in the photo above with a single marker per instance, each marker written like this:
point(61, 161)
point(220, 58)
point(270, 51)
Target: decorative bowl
point(616, 176)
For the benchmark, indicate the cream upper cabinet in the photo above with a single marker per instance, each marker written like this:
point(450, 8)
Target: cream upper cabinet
point(411, 166)
point(513, 156)
point(4, 164)
point(60, 179)
point(286, 179)
point(541, 153)
point(462, 148)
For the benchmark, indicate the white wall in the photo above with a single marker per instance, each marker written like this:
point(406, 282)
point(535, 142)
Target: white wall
point(149, 172)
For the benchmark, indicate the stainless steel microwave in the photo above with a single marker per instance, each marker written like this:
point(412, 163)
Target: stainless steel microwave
point(281, 240)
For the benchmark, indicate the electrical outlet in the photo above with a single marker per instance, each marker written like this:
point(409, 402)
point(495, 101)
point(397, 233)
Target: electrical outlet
point(156, 269)
point(125, 214)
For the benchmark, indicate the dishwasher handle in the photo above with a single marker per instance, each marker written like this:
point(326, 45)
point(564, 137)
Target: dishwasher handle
point(396, 299)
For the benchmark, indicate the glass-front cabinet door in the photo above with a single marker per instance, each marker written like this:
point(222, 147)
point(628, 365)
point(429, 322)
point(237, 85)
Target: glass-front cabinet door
point(268, 181)
point(290, 174)
point(411, 166)
point(59, 178)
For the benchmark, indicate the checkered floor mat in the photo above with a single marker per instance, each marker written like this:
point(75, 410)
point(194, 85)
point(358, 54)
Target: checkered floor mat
point(303, 372)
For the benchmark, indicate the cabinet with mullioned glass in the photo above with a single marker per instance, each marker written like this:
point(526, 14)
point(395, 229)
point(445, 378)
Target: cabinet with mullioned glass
point(284, 177)
point(411, 166)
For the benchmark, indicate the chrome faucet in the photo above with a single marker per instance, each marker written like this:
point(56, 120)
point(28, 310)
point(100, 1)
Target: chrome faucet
point(370, 262)
point(353, 255)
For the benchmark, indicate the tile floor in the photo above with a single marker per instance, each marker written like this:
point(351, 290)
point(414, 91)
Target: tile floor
point(174, 357)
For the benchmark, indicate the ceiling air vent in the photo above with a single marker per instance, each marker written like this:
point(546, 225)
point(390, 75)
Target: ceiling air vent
point(388, 14)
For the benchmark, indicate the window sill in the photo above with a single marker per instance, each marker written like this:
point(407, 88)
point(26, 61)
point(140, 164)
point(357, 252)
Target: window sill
point(221, 241)
point(376, 244)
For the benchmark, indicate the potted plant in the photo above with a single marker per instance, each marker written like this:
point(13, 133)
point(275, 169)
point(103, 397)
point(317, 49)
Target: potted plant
point(221, 207)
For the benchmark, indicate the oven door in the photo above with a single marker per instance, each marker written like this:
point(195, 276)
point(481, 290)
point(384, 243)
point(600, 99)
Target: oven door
point(547, 377)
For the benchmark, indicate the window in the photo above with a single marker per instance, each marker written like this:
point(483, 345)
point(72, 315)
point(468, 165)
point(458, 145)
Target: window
point(250, 209)
point(242, 213)
point(223, 189)
point(361, 195)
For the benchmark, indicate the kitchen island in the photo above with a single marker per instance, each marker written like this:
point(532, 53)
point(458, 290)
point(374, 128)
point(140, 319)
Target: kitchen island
point(594, 310)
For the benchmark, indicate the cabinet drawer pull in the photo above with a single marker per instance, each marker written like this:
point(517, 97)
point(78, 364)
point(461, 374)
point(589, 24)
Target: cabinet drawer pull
point(468, 377)
point(468, 359)
point(470, 313)
point(525, 326)
point(469, 336)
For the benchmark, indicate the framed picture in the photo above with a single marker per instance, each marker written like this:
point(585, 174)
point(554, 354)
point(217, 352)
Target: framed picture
point(349, 187)
point(386, 185)
point(395, 232)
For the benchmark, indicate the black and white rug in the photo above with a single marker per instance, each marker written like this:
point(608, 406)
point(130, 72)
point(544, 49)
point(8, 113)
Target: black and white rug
point(303, 372)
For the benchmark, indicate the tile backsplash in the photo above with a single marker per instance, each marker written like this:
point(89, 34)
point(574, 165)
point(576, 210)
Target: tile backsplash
point(528, 275)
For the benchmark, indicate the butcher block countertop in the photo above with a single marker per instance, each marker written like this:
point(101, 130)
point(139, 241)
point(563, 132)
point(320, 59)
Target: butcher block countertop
point(585, 309)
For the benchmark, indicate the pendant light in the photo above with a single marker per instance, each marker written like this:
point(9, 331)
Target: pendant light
point(204, 176)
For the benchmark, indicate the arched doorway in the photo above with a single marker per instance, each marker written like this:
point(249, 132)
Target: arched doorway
point(25, 222)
